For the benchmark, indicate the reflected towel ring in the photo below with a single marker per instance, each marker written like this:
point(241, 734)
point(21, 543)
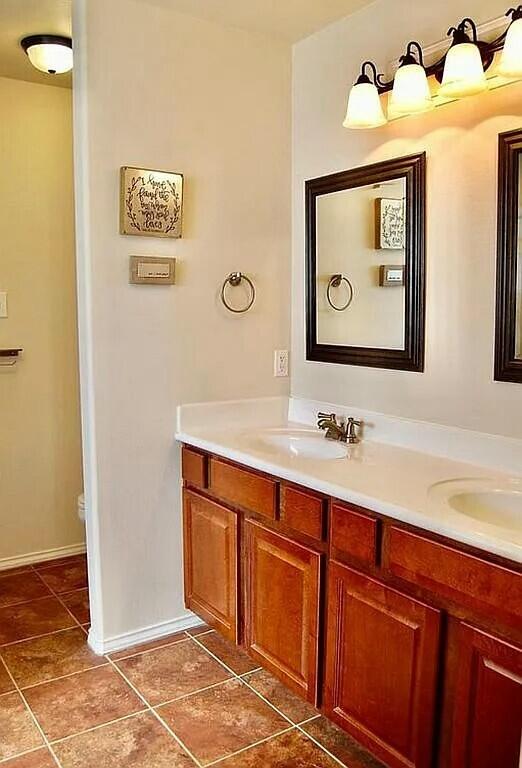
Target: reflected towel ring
point(334, 282)
point(234, 279)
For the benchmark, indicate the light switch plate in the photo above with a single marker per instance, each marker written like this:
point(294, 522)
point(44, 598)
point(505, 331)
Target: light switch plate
point(3, 303)
point(152, 270)
point(281, 362)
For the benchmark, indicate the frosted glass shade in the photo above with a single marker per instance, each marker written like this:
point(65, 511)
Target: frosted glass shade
point(511, 60)
point(364, 107)
point(51, 58)
point(463, 72)
point(411, 92)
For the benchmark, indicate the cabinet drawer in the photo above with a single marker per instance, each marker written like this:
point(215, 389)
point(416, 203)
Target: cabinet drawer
point(353, 534)
point(303, 511)
point(243, 488)
point(194, 468)
point(466, 579)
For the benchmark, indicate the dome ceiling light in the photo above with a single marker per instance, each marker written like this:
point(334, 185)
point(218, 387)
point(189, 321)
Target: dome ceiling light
point(51, 54)
point(461, 72)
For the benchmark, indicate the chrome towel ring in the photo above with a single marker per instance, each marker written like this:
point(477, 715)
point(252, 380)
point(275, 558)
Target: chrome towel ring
point(335, 282)
point(234, 279)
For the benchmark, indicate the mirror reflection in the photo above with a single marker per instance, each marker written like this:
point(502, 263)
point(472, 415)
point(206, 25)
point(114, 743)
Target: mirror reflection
point(518, 323)
point(360, 266)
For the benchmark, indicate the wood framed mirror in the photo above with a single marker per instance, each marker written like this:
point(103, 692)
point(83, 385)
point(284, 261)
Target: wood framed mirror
point(508, 325)
point(365, 253)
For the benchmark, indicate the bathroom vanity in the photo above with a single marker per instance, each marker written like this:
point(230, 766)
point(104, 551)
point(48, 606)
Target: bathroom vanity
point(409, 640)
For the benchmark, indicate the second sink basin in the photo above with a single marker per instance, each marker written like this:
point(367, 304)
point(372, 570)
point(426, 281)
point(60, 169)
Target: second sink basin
point(488, 501)
point(303, 444)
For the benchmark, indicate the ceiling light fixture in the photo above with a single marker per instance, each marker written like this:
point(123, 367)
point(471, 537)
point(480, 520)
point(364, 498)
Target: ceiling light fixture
point(461, 72)
point(411, 92)
point(51, 54)
point(364, 105)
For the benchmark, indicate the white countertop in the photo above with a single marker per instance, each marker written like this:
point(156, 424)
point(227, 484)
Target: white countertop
point(387, 479)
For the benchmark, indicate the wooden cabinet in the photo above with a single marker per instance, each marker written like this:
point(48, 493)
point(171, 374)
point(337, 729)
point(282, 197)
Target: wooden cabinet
point(282, 594)
point(487, 707)
point(381, 668)
point(210, 563)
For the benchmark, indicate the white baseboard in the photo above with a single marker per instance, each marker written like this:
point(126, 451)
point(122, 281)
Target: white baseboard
point(43, 556)
point(144, 635)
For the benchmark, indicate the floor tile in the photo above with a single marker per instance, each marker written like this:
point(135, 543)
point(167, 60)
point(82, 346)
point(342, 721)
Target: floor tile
point(18, 569)
point(6, 684)
point(138, 742)
point(69, 560)
point(18, 733)
point(277, 694)
point(134, 650)
point(78, 604)
point(176, 670)
point(44, 658)
point(235, 658)
point(40, 758)
point(21, 587)
point(20, 622)
point(290, 750)
point(73, 704)
point(341, 745)
point(221, 720)
point(199, 630)
point(66, 577)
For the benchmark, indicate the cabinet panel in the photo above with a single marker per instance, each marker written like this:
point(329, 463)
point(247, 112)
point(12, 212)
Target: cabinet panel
point(243, 488)
point(210, 563)
point(194, 468)
point(282, 629)
point(353, 534)
point(303, 511)
point(381, 669)
point(487, 719)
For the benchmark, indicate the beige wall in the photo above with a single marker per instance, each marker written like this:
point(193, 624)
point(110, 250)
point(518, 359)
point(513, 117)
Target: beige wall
point(162, 90)
point(461, 139)
point(40, 452)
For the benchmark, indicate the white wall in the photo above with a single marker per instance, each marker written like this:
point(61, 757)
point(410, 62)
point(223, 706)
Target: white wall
point(162, 90)
point(457, 387)
point(40, 442)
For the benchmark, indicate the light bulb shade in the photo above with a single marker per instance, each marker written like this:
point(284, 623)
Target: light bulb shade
point(364, 107)
point(51, 54)
point(511, 60)
point(463, 72)
point(411, 92)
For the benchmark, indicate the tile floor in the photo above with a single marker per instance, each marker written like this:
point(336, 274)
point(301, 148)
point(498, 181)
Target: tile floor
point(190, 699)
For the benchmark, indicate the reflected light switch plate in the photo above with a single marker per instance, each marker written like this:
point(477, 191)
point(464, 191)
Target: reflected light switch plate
point(3, 303)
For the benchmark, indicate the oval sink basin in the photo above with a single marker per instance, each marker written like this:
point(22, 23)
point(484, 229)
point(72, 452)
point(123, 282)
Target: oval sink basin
point(488, 501)
point(302, 444)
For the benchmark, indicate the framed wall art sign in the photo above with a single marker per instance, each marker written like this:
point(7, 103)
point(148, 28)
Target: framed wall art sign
point(151, 202)
point(389, 223)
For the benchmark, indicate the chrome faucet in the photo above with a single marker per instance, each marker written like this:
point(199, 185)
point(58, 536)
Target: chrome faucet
point(346, 433)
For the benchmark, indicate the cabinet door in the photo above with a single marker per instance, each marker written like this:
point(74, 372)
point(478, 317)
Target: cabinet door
point(488, 702)
point(282, 626)
point(210, 563)
point(382, 661)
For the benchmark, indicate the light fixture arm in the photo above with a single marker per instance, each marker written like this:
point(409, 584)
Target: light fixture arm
point(409, 56)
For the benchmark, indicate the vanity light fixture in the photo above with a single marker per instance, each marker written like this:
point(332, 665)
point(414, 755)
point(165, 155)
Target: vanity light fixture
point(51, 54)
point(461, 71)
point(364, 104)
point(511, 61)
point(411, 92)
point(463, 68)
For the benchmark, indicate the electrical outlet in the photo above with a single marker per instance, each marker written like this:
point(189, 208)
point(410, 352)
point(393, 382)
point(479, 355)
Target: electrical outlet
point(3, 303)
point(281, 362)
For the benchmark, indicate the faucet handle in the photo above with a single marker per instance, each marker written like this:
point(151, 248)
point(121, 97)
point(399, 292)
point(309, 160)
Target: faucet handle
point(351, 432)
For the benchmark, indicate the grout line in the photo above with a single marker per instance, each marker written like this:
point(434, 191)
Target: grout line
point(36, 637)
point(216, 658)
point(321, 746)
point(35, 721)
point(309, 720)
point(251, 672)
point(193, 693)
point(43, 565)
point(155, 714)
point(63, 677)
point(21, 754)
point(250, 746)
point(24, 602)
point(100, 725)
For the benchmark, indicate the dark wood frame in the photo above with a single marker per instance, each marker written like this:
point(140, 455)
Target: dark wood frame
point(411, 358)
point(507, 366)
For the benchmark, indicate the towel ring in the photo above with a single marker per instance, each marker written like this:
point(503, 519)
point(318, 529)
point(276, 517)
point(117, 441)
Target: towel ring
point(334, 282)
point(234, 279)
